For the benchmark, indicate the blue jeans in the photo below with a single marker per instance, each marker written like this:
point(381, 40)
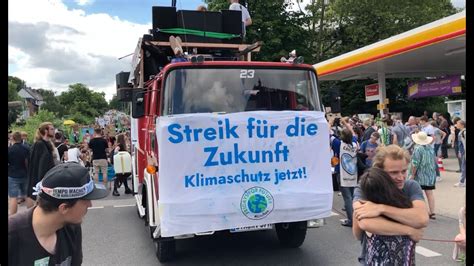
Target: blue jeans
point(463, 170)
point(456, 150)
point(436, 149)
point(348, 196)
point(17, 187)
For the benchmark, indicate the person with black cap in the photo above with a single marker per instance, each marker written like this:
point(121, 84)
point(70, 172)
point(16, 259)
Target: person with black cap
point(50, 232)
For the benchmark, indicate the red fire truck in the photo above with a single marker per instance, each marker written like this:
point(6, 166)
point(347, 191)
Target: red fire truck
point(157, 88)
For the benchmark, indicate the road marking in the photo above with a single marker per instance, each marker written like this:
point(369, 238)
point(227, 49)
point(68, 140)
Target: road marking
point(334, 214)
point(121, 206)
point(99, 207)
point(426, 252)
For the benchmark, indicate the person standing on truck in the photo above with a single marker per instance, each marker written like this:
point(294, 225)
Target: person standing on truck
point(246, 19)
point(382, 219)
point(99, 146)
point(50, 233)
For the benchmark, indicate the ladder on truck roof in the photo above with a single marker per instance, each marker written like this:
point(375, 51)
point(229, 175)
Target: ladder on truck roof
point(150, 56)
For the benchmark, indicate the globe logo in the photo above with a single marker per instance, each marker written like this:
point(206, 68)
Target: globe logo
point(257, 203)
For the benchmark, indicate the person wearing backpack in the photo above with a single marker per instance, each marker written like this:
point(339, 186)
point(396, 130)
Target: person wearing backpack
point(121, 178)
point(345, 149)
point(402, 132)
point(60, 146)
point(386, 135)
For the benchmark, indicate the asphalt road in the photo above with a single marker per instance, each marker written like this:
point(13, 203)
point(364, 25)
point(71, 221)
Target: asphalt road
point(114, 235)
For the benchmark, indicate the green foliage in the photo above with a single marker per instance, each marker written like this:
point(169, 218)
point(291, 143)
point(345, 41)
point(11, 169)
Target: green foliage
point(13, 112)
point(19, 83)
point(78, 103)
point(51, 102)
point(84, 104)
point(118, 105)
point(33, 122)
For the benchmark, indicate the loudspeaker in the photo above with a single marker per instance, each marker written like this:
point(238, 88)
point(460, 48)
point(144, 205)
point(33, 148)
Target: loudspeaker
point(121, 79)
point(164, 17)
point(124, 94)
point(213, 23)
point(232, 24)
point(335, 100)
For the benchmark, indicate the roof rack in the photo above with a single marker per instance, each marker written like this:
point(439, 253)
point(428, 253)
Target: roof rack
point(158, 54)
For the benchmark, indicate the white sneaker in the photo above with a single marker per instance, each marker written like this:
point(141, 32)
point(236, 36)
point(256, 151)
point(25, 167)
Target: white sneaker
point(459, 184)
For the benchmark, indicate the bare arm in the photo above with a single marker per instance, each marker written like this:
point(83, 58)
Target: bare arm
point(383, 226)
point(349, 126)
point(356, 230)
point(443, 135)
point(394, 139)
point(248, 22)
point(416, 217)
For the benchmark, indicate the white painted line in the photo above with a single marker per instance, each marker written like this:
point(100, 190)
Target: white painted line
point(121, 206)
point(334, 214)
point(99, 207)
point(426, 252)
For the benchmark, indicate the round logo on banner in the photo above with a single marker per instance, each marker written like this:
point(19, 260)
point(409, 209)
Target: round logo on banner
point(256, 203)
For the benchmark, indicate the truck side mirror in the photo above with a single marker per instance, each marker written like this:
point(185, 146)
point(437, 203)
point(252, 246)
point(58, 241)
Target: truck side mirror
point(138, 103)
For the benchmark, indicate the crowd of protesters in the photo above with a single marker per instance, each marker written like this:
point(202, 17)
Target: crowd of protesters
point(408, 153)
point(28, 163)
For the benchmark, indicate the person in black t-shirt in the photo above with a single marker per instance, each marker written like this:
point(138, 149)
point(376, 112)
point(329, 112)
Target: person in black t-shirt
point(50, 233)
point(17, 166)
point(99, 147)
point(61, 146)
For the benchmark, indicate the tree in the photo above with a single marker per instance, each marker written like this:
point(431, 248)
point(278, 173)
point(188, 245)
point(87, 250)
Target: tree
point(33, 122)
point(19, 83)
point(82, 103)
point(14, 85)
point(118, 105)
point(51, 102)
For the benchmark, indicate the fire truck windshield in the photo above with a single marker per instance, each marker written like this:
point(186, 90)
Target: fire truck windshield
point(228, 90)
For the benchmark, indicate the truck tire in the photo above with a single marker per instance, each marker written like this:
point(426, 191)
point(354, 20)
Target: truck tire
point(291, 235)
point(165, 249)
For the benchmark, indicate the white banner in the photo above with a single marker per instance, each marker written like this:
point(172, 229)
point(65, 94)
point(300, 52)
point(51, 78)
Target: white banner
point(226, 171)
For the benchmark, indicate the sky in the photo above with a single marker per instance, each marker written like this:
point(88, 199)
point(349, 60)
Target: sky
point(55, 43)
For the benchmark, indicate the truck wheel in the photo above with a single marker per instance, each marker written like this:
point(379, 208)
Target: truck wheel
point(291, 235)
point(165, 249)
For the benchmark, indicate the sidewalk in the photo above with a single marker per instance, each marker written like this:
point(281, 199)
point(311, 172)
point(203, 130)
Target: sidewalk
point(449, 199)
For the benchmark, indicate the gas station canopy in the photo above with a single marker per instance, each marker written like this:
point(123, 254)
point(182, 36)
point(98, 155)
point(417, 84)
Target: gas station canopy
point(435, 49)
